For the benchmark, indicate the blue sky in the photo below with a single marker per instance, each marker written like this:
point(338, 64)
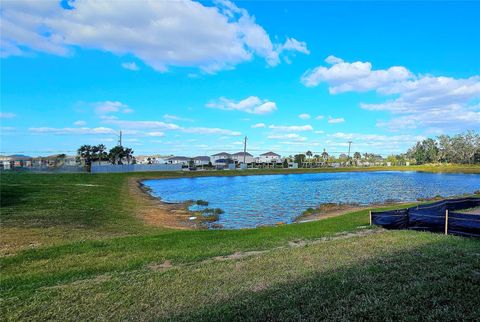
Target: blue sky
point(192, 78)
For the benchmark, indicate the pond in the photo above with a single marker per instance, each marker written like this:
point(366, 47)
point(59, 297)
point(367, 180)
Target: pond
point(251, 201)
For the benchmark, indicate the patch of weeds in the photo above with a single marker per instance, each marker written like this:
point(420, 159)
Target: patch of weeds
point(201, 202)
point(214, 211)
point(436, 198)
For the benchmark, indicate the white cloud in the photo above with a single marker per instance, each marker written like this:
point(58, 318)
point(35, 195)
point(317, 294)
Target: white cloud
point(291, 128)
point(319, 132)
point(292, 44)
point(107, 107)
point(209, 130)
point(156, 134)
point(332, 60)
point(130, 66)
point(176, 118)
point(258, 126)
point(332, 120)
point(222, 35)
point(373, 143)
point(357, 76)
point(290, 136)
point(304, 116)
point(80, 123)
point(7, 115)
point(431, 102)
point(251, 104)
point(144, 124)
point(319, 117)
point(72, 131)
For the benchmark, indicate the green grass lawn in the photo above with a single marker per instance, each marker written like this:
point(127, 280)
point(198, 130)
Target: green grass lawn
point(73, 249)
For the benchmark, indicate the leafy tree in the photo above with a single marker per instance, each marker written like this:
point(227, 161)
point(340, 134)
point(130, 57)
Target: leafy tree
point(85, 152)
point(116, 154)
point(299, 158)
point(285, 163)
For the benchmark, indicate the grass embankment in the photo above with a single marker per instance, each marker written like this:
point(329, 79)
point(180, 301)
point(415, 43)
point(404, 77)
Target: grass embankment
point(88, 257)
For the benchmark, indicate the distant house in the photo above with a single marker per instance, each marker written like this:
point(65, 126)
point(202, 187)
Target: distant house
point(220, 156)
point(6, 162)
point(269, 157)
point(240, 156)
point(20, 160)
point(179, 160)
point(201, 160)
point(151, 159)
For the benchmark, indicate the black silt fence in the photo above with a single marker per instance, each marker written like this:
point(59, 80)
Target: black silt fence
point(441, 216)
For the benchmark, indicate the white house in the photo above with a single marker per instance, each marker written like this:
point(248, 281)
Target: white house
point(240, 156)
point(201, 160)
point(179, 160)
point(220, 156)
point(269, 157)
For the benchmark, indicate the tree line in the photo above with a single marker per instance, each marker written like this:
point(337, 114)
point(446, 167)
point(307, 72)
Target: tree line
point(98, 153)
point(462, 148)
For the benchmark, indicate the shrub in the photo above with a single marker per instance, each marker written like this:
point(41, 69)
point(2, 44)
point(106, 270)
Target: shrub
point(202, 203)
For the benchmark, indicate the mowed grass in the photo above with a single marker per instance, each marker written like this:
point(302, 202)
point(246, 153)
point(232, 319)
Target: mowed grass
point(88, 257)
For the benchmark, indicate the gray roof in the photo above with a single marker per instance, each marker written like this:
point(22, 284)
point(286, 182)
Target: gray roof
point(202, 158)
point(221, 153)
point(241, 154)
point(179, 159)
point(270, 154)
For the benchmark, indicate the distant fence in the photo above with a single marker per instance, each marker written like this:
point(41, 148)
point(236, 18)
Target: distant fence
point(61, 169)
point(439, 216)
point(95, 168)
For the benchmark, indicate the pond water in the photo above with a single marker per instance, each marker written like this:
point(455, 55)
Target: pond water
point(250, 201)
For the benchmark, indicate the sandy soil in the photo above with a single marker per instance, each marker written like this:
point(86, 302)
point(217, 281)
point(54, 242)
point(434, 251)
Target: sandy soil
point(157, 213)
point(333, 212)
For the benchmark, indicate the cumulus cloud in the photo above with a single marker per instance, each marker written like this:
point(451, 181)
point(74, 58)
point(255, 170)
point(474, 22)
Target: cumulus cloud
point(304, 116)
point(7, 115)
point(258, 126)
point(434, 102)
point(291, 128)
point(358, 76)
point(130, 66)
point(333, 120)
point(319, 117)
point(251, 104)
point(222, 35)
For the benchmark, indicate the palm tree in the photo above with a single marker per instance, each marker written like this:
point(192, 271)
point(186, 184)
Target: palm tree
point(128, 153)
point(309, 155)
point(85, 152)
point(357, 156)
point(101, 152)
point(325, 156)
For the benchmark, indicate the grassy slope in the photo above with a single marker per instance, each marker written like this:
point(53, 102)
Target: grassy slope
point(94, 257)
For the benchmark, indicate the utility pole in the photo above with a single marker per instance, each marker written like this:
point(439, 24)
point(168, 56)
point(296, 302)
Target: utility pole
point(349, 146)
point(120, 139)
point(244, 149)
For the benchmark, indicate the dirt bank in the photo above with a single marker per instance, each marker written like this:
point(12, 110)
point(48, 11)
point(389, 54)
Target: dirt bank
point(157, 213)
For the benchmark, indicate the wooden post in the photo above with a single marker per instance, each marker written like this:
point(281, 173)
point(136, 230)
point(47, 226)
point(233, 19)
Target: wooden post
point(370, 214)
point(446, 222)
